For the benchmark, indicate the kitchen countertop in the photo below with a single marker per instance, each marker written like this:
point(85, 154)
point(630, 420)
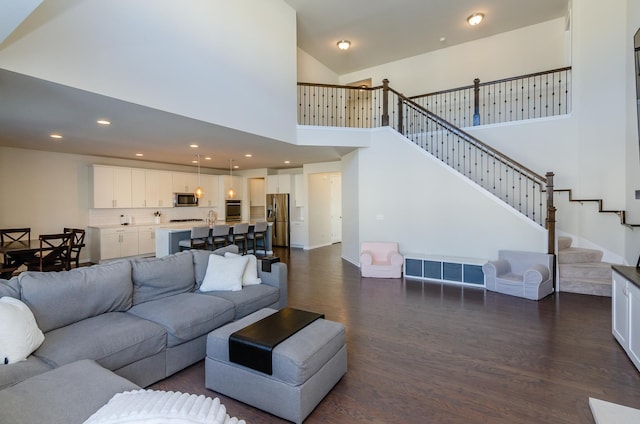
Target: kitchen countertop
point(631, 273)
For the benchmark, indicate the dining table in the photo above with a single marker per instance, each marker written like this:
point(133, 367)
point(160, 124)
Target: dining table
point(21, 252)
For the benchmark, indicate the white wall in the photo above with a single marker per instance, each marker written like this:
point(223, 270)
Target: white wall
point(530, 49)
point(426, 206)
point(311, 70)
point(201, 59)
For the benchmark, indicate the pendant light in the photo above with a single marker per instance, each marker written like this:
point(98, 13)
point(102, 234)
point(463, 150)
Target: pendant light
point(198, 192)
point(231, 193)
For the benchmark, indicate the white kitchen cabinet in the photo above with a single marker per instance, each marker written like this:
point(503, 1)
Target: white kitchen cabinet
point(234, 182)
point(138, 190)
point(211, 191)
point(183, 182)
point(147, 240)
point(111, 187)
point(300, 193)
point(158, 189)
point(625, 311)
point(257, 191)
point(110, 243)
point(280, 183)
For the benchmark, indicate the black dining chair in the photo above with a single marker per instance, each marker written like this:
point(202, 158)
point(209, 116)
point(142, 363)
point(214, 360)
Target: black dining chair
point(54, 253)
point(77, 243)
point(13, 234)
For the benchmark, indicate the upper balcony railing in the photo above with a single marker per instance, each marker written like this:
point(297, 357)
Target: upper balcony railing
point(537, 95)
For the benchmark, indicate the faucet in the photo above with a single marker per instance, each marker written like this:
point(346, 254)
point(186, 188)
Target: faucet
point(212, 217)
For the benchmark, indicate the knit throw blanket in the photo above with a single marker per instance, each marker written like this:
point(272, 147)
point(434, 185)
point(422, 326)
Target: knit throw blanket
point(160, 407)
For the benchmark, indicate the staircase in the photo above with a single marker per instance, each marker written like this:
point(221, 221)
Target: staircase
point(581, 270)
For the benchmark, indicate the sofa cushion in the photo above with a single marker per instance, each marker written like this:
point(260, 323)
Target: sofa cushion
point(201, 261)
point(156, 278)
point(15, 373)
point(249, 299)
point(69, 394)
point(58, 299)
point(186, 316)
point(10, 288)
point(114, 339)
point(19, 333)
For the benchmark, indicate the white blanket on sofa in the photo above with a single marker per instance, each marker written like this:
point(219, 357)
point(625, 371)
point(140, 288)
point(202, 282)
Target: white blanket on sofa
point(160, 407)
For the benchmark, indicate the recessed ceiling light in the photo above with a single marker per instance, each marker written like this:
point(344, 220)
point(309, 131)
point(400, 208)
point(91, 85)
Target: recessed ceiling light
point(139, 155)
point(475, 19)
point(236, 166)
point(344, 44)
point(56, 136)
point(194, 161)
point(207, 158)
point(443, 39)
point(103, 122)
point(248, 155)
point(193, 146)
point(287, 161)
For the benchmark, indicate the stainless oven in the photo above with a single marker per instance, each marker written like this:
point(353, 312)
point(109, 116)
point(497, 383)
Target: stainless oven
point(233, 211)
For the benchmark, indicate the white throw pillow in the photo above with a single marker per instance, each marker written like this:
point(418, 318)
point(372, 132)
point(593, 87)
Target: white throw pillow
point(19, 332)
point(250, 276)
point(224, 273)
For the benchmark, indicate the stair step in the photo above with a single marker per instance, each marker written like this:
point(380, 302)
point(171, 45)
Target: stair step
point(585, 270)
point(592, 286)
point(564, 242)
point(574, 255)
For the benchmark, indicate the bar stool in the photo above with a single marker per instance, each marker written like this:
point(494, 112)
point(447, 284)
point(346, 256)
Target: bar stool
point(219, 235)
point(259, 232)
point(198, 240)
point(239, 234)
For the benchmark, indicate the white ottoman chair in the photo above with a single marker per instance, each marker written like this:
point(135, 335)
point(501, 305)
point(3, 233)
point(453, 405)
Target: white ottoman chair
point(306, 366)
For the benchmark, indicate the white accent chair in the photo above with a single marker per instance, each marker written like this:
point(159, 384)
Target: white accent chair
point(522, 274)
point(380, 259)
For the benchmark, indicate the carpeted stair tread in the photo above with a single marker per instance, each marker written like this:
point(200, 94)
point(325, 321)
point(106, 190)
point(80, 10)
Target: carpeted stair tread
point(591, 270)
point(574, 255)
point(592, 286)
point(564, 242)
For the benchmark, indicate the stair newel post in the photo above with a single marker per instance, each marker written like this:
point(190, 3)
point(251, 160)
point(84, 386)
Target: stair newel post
point(385, 102)
point(551, 214)
point(476, 101)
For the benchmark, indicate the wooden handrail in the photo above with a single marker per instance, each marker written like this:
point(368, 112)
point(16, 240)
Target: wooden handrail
point(621, 213)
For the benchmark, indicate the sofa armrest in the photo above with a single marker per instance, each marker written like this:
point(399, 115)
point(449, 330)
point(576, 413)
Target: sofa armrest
point(395, 258)
point(276, 278)
point(536, 274)
point(366, 257)
point(496, 268)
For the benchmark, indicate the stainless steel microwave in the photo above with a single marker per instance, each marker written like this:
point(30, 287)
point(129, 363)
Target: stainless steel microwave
point(184, 200)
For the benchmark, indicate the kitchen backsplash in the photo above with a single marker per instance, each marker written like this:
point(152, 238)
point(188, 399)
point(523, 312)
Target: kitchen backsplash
point(145, 216)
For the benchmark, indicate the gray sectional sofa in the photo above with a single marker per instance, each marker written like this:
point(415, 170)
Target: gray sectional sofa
point(142, 319)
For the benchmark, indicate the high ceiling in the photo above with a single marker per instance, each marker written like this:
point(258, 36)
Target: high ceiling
point(380, 31)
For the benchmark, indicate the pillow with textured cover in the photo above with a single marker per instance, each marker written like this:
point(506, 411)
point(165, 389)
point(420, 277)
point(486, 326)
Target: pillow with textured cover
point(159, 407)
point(19, 332)
point(224, 273)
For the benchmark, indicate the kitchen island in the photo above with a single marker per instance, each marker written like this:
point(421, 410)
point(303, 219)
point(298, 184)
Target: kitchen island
point(167, 238)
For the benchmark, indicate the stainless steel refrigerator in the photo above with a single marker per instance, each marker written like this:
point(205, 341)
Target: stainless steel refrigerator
point(278, 213)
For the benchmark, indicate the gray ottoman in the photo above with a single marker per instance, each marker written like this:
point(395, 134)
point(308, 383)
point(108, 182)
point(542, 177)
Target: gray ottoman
point(305, 368)
point(65, 395)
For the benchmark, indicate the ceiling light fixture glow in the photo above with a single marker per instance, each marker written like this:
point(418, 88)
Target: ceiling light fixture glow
point(475, 19)
point(56, 136)
point(103, 122)
point(207, 158)
point(344, 44)
point(248, 155)
point(287, 161)
point(193, 146)
point(140, 155)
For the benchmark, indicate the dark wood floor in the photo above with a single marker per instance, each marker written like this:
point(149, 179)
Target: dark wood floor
point(431, 353)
